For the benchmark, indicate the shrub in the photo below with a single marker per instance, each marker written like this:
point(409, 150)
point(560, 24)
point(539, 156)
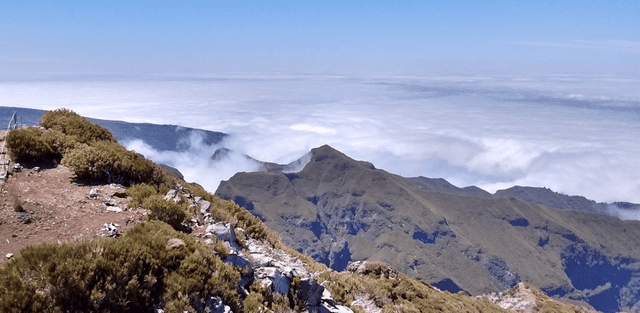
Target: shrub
point(110, 161)
point(253, 302)
point(28, 144)
point(139, 193)
point(165, 210)
point(72, 124)
point(60, 143)
point(17, 206)
point(220, 249)
point(133, 273)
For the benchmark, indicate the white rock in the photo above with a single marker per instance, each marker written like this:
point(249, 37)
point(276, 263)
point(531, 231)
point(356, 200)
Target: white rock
point(222, 231)
point(262, 260)
point(212, 305)
point(9, 255)
point(279, 282)
point(94, 193)
point(366, 303)
point(240, 261)
point(326, 295)
point(205, 206)
point(171, 194)
point(114, 209)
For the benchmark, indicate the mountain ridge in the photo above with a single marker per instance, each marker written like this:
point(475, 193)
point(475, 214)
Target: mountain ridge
point(337, 209)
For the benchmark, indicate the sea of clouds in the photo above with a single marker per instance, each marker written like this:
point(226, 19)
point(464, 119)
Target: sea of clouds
point(579, 135)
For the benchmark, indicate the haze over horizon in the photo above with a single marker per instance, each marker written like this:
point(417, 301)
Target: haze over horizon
point(487, 94)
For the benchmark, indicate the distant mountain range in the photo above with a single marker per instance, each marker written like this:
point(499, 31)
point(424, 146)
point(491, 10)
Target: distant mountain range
point(338, 209)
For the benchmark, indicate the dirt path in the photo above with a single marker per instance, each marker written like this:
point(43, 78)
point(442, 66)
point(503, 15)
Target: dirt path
point(56, 209)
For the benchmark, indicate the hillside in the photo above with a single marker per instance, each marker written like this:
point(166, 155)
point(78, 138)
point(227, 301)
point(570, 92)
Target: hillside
point(338, 210)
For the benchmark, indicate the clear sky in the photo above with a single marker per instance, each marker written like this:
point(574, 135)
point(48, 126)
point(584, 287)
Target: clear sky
point(321, 36)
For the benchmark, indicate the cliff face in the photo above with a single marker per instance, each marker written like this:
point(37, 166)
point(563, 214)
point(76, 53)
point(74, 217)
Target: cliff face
point(337, 209)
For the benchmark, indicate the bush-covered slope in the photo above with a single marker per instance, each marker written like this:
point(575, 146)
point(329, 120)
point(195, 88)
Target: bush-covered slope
point(135, 273)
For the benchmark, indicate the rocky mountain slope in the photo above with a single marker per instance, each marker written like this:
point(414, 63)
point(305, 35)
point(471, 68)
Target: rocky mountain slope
point(338, 210)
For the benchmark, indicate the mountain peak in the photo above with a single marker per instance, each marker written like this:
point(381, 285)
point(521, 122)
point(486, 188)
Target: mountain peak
point(327, 154)
point(326, 150)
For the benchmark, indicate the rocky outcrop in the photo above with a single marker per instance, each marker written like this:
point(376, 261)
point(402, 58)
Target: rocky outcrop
point(366, 304)
point(375, 268)
point(258, 261)
point(174, 195)
point(222, 231)
point(109, 230)
point(524, 298)
point(211, 305)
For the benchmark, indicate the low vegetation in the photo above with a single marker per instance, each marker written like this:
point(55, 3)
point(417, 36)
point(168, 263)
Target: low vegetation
point(86, 148)
point(399, 294)
point(29, 144)
point(166, 210)
point(136, 272)
point(72, 124)
point(17, 206)
point(109, 161)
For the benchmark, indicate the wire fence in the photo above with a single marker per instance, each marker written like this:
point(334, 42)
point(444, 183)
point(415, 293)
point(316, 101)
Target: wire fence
point(4, 158)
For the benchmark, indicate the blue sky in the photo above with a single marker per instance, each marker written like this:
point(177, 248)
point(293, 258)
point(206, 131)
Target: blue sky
point(321, 36)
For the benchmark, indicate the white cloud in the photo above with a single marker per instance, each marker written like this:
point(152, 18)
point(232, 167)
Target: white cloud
point(312, 129)
point(574, 134)
point(195, 163)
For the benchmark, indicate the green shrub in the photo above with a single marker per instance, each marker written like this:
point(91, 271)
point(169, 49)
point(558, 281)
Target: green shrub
point(72, 124)
point(165, 210)
point(133, 273)
point(60, 143)
point(139, 193)
point(113, 163)
point(220, 249)
point(28, 144)
point(253, 303)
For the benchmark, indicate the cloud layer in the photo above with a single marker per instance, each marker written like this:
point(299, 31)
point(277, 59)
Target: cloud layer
point(573, 134)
